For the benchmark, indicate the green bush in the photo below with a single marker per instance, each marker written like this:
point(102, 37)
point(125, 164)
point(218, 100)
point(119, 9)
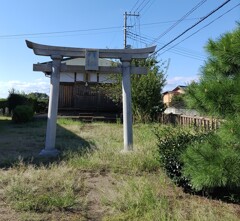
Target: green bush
point(15, 100)
point(172, 143)
point(39, 101)
point(22, 114)
point(211, 164)
point(214, 163)
point(3, 105)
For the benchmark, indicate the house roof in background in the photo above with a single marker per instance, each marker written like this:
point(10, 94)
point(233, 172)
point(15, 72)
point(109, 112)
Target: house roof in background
point(183, 87)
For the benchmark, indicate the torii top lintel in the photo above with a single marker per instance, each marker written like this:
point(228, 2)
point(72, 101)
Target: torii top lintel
point(122, 54)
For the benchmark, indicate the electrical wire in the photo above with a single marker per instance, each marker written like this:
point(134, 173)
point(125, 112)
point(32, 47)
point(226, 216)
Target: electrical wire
point(144, 6)
point(60, 32)
point(202, 28)
point(165, 22)
point(146, 39)
point(179, 21)
point(13, 36)
point(194, 25)
point(183, 52)
point(134, 5)
point(144, 12)
point(140, 5)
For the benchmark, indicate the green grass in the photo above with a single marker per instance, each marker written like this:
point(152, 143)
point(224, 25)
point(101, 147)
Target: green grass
point(108, 156)
point(43, 189)
point(92, 179)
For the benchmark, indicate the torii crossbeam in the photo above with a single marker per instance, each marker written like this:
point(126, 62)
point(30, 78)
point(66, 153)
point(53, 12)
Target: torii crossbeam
point(58, 53)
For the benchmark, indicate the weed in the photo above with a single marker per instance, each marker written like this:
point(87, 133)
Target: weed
point(43, 189)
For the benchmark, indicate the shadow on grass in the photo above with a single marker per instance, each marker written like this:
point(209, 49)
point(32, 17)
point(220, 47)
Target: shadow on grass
point(23, 143)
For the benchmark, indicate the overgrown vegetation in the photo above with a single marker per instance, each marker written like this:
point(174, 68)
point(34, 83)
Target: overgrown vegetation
point(38, 101)
point(214, 163)
point(22, 114)
point(146, 90)
point(218, 93)
point(92, 179)
point(3, 105)
point(172, 143)
point(178, 101)
point(211, 163)
point(43, 189)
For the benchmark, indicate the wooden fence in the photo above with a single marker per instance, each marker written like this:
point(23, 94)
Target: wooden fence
point(202, 123)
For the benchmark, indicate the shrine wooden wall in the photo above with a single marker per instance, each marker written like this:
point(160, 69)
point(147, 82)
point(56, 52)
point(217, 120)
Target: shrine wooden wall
point(82, 97)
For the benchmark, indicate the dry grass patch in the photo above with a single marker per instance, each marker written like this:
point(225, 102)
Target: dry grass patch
point(149, 198)
point(92, 179)
point(56, 188)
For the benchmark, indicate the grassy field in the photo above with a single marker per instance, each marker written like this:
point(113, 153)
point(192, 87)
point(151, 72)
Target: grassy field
point(92, 179)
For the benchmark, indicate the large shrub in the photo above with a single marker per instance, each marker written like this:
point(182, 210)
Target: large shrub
point(14, 99)
point(39, 101)
point(22, 114)
point(146, 90)
point(172, 143)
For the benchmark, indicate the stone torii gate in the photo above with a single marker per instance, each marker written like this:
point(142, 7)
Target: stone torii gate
point(91, 56)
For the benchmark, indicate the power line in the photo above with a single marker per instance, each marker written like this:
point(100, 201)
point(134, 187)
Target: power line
point(140, 5)
point(179, 21)
point(188, 29)
point(165, 22)
point(144, 6)
point(143, 13)
point(182, 52)
point(81, 30)
point(59, 32)
point(134, 5)
point(202, 28)
point(146, 39)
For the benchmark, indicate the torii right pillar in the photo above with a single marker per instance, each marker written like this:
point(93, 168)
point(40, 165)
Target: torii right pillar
point(127, 105)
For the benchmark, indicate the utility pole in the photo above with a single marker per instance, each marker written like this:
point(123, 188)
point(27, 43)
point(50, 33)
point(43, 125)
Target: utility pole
point(126, 26)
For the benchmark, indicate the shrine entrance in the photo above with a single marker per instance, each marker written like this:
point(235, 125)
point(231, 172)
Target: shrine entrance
point(91, 64)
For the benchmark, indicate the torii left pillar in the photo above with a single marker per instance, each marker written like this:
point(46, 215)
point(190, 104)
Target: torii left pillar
point(127, 106)
point(50, 149)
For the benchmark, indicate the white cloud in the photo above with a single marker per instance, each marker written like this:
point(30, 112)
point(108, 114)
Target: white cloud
point(38, 85)
point(178, 80)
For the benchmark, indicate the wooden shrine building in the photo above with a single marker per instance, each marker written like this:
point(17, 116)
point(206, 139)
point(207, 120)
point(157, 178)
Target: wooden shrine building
point(81, 91)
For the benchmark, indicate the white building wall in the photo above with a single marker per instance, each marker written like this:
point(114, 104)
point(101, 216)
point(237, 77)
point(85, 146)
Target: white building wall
point(92, 77)
point(80, 77)
point(66, 77)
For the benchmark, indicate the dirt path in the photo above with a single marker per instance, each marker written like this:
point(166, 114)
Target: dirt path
point(100, 186)
point(6, 213)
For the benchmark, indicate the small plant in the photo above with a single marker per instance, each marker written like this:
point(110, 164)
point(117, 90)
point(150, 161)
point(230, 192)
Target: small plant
point(22, 114)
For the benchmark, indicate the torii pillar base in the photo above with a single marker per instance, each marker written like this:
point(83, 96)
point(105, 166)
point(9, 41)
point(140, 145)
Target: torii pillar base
point(49, 153)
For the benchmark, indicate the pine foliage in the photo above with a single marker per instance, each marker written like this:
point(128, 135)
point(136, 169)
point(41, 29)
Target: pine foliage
point(215, 162)
point(218, 90)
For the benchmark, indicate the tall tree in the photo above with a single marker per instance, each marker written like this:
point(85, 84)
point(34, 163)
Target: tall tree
point(218, 91)
point(214, 162)
point(146, 89)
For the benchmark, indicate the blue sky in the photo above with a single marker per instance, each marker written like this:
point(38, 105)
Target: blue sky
point(99, 24)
